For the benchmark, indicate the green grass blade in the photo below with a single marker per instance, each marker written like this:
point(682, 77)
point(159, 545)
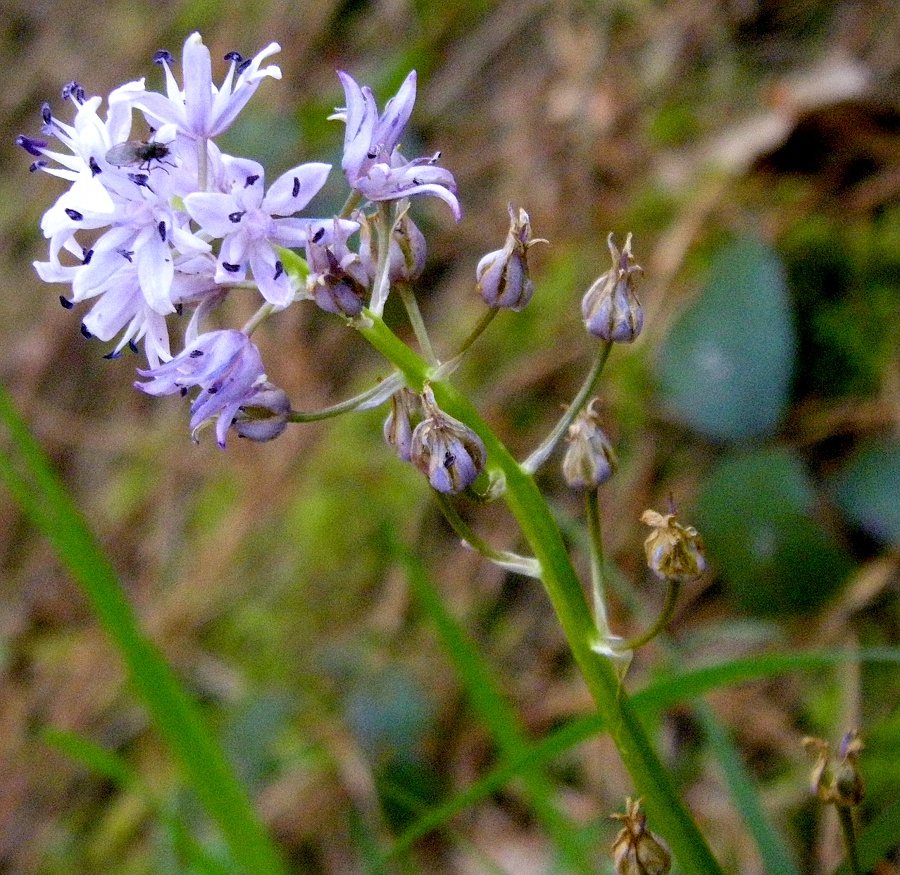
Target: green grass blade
point(113, 767)
point(694, 682)
point(691, 683)
point(530, 757)
point(880, 838)
point(32, 481)
point(93, 757)
point(776, 857)
point(496, 714)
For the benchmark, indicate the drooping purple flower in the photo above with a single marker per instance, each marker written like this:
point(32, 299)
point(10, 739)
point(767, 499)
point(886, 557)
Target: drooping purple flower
point(251, 222)
point(227, 368)
point(372, 161)
point(201, 111)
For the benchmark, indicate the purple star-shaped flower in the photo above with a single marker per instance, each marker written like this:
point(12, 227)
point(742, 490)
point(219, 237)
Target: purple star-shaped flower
point(201, 110)
point(372, 162)
point(225, 365)
point(250, 223)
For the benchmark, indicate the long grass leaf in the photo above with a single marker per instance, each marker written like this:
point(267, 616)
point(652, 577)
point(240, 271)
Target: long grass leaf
point(691, 683)
point(776, 857)
point(113, 767)
point(877, 840)
point(32, 481)
point(495, 713)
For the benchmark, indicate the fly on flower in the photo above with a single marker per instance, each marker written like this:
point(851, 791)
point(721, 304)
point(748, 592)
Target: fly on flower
point(137, 152)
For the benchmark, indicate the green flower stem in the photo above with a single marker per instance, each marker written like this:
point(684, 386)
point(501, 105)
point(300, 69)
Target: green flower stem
point(385, 225)
point(382, 390)
point(354, 199)
point(848, 831)
point(258, 318)
point(662, 621)
point(542, 453)
point(415, 319)
point(510, 561)
point(666, 812)
point(598, 570)
point(451, 365)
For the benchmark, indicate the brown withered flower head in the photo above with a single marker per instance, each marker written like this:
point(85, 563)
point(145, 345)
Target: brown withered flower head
point(636, 850)
point(836, 779)
point(674, 552)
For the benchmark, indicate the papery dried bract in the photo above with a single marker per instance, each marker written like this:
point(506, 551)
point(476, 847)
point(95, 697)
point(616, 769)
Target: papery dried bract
point(836, 779)
point(398, 429)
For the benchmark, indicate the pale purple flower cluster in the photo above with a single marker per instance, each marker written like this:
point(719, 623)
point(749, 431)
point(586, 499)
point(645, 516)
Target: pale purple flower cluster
point(156, 219)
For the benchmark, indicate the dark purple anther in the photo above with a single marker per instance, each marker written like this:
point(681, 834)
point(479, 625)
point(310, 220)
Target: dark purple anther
point(31, 145)
point(73, 90)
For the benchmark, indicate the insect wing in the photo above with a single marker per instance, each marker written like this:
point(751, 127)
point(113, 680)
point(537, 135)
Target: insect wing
point(123, 154)
point(136, 152)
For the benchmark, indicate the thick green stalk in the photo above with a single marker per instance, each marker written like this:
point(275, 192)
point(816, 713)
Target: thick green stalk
point(665, 809)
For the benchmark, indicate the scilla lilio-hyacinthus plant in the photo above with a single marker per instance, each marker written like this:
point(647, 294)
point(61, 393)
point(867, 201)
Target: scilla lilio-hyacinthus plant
point(159, 225)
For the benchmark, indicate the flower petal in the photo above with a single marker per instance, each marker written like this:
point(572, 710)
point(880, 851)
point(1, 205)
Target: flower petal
point(293, 190)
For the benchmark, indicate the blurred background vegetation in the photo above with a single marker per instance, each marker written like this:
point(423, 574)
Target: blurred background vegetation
point(753, 148)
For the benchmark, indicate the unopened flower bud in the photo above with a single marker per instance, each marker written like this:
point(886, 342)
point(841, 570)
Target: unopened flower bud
point(407, 253)
point(398, 426)
point(502, 276)
point(337, 279)
point(445, 450)
point(674, 552)
point(610, 307)
point(589, 460)
point(636, 850)
point(837, 780)
point(263, 416)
